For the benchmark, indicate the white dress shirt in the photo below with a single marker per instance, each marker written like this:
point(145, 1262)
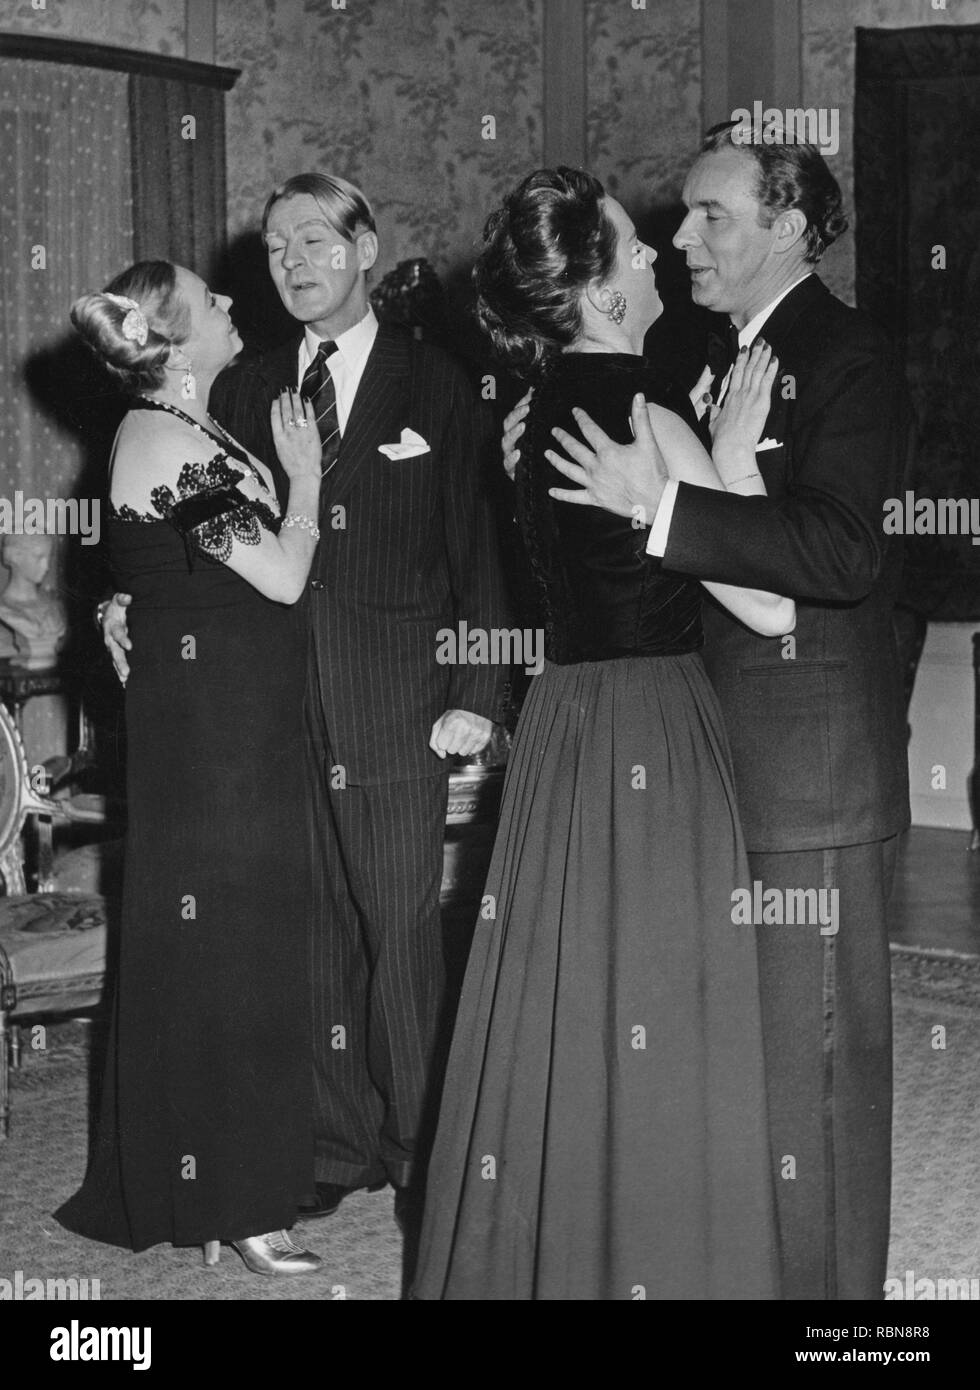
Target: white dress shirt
point(660, 530)
point(346, 365)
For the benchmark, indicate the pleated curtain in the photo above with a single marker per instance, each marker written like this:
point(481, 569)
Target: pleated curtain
point(178, 141)
point(66, 226)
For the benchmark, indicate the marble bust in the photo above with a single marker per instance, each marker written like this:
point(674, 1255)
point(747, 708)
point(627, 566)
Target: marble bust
point(34, 616)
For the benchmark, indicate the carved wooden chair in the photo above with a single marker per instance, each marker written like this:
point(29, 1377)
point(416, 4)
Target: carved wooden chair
point(52, 945)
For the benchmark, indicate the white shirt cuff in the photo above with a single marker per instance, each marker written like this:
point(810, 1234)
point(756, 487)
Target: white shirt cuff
point(660, 530)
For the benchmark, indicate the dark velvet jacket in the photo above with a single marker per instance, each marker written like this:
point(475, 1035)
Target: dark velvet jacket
point(598, 595)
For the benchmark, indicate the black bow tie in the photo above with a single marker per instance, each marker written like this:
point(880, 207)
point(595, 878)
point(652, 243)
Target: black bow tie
point(722, 351)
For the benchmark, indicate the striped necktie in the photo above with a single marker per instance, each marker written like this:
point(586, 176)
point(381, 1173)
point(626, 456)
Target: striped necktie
point(317, 386)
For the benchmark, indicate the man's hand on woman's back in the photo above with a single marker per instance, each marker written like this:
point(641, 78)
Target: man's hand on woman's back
point(115, 632)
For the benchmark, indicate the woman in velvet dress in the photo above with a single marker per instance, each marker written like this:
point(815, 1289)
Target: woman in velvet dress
point(603, 1124)
point(205, 1127)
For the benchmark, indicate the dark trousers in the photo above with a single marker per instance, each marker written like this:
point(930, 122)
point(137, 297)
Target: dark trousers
point(378, 974)
point(826, 1016)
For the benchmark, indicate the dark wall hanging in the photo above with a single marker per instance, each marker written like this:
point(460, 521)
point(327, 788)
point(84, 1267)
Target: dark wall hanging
point(917, 189)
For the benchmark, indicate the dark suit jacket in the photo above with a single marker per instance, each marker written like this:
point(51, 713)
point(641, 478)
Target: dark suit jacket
point(819, 740)
point(407, 547)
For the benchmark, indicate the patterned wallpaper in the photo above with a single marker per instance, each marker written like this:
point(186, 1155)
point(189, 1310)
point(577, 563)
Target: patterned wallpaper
point(154, 25)
point(828, 80)
point(389, 93)
point(644, 97)
point(392, 96)
point(392, 93)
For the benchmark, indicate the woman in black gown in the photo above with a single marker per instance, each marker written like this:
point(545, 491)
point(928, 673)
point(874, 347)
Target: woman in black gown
point(603, 1124)
point(205, 1127)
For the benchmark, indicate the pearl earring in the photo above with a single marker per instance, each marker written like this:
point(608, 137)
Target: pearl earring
point(617, 310)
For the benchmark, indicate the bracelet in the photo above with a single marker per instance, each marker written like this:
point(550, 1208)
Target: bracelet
point(100, 612)
point(744, 479)
point(304, 522)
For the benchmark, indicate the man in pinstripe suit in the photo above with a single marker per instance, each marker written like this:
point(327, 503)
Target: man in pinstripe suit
point(407, 549)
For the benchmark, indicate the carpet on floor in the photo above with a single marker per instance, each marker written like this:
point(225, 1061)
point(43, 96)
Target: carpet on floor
point(935, 1203)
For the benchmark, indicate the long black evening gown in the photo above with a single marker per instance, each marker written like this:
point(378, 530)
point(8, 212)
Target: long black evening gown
point(205, 1129)
point(603, 1124)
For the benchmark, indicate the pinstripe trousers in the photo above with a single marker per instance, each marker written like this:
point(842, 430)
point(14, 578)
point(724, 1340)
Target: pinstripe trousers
point(378, 974)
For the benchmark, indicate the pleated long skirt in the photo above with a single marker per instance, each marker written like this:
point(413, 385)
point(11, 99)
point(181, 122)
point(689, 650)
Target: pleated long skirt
point(603, 1125)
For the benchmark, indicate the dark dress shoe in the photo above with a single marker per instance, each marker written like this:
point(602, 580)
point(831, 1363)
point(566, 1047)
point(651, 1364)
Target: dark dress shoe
point(329, 1196)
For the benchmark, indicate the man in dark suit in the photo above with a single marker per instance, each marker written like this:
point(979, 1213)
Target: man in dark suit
point(407, 548)
point(816, 721)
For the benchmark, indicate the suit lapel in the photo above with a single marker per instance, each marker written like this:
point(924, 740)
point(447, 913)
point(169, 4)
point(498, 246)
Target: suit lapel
point(799, 301)
point(777, 330)
point(378, 409)
point(280, 366)
point(269, 375)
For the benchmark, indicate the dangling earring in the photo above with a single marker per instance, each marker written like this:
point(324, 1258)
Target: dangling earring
point(617, 311)
point(188, 386)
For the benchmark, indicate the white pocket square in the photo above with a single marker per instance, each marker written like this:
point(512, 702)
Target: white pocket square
point(410, 445)
point(768, 444)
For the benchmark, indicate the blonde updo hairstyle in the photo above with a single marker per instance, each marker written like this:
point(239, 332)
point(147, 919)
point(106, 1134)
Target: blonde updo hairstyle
point(99, 322)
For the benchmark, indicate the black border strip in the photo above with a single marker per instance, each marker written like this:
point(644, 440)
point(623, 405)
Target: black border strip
point(79, 53)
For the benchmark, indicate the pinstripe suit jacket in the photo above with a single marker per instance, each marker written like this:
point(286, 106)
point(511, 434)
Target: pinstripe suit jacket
point(408, 547)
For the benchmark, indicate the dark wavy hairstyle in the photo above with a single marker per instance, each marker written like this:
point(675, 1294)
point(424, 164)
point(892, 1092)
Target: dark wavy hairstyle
point(548, 241)
point(790, 174)
point(98, 321)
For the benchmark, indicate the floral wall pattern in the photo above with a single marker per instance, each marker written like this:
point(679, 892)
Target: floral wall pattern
point(393, 97)
point(644, 98)
point(828, 80)
point(157, 26)
point(392, 92)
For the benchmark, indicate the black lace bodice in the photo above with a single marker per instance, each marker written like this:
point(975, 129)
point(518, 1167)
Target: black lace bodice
point(208, 509)
point(597, 593)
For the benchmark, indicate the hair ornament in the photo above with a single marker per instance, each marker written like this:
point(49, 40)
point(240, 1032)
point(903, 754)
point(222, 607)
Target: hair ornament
point(134, 326)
